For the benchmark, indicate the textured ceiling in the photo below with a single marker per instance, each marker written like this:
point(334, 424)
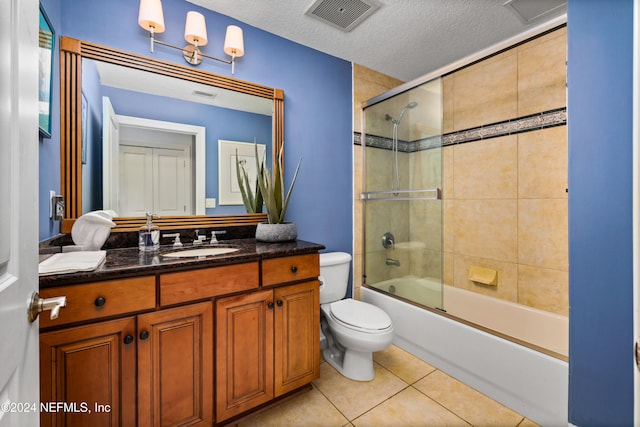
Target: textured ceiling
point(404, 38)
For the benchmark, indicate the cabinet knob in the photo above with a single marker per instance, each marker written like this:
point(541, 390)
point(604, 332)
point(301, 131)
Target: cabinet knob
point(100, 301)
point(279, 303)
point(294, 269)
point(128, 339)
point(144, 335)
point(270, 305)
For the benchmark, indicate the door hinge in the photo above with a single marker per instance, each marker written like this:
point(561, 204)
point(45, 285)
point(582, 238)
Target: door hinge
point(637, 354)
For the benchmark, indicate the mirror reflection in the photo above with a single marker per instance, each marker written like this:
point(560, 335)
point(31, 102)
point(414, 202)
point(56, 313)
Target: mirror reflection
point(150, 142)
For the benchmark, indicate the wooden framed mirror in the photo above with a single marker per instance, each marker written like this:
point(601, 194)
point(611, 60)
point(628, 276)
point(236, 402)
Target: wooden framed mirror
point(72, 53)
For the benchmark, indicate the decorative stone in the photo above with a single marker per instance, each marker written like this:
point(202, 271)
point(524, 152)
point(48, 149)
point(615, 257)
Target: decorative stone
point(274, 233)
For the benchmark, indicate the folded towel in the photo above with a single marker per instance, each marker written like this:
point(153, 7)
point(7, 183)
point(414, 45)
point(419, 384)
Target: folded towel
point(71, 262)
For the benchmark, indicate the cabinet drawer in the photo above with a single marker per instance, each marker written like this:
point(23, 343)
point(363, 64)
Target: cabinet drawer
point(290, 269)
point(207, 282)
point(101, 299)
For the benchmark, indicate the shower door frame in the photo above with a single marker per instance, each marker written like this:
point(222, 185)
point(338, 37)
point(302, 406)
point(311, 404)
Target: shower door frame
point(408, 194)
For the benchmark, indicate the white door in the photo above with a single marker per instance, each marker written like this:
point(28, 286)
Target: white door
point(155, 180)
point(110, 156)
point(19, 372)
point(172, 183)
point(177, 136)
point(136, 181)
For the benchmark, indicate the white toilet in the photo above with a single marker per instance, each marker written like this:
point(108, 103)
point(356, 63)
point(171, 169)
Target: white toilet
point(351, 330)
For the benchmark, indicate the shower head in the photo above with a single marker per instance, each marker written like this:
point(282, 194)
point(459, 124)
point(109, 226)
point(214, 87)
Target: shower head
point(404, 110)
point(409, 106)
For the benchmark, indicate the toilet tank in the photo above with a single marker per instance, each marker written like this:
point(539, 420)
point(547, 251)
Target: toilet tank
point(334, 275)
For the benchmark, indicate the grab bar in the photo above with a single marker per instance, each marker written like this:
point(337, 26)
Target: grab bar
point(431, 194)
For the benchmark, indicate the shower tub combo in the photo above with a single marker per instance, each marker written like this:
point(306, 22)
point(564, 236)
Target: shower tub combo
point(511, 352)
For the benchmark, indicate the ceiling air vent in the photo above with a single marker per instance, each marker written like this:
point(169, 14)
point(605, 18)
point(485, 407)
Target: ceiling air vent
point(342, 14)
point(528, 11)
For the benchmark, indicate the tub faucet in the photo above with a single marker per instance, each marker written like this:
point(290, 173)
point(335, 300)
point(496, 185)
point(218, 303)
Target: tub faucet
point(391, 261)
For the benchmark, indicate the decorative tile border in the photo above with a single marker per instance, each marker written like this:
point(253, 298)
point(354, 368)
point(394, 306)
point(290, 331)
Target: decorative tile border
point(530, 123)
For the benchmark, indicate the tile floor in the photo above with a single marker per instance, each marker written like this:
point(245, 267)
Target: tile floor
point(405, 392)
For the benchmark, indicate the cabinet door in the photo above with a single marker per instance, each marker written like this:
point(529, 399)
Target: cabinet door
point(297, 335)
point(244, 353)
point(92, 369)
point(175, 366)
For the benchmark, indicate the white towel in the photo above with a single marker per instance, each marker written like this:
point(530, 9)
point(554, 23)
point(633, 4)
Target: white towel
point(71, 262)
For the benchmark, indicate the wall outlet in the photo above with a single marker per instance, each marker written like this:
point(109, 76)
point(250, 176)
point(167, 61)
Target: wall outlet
point(59, 208)
point(52, 203)
point(210, 202)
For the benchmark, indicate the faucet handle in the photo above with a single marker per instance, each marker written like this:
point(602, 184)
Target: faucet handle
point(214, 239)
point(388, 241)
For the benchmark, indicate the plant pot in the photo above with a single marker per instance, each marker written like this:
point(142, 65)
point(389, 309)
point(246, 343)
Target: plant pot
point(274, 233)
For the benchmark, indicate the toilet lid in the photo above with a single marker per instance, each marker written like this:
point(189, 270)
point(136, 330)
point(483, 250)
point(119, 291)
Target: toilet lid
point(360, 314)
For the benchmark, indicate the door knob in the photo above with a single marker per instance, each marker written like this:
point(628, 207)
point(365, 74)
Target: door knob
point(38, 305)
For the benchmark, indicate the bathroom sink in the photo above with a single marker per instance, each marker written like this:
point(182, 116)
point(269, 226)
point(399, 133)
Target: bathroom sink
point(200, 252)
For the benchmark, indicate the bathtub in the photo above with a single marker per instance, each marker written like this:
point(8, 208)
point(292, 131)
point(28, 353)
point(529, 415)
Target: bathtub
point(539, 329)
point(533, 383)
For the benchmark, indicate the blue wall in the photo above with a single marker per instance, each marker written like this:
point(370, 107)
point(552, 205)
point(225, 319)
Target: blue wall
point(318, 101)
point(600, 61)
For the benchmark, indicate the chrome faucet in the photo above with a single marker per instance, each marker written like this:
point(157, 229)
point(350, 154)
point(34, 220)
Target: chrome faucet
point(176, 243)
point(391, 261)
point(388, 241)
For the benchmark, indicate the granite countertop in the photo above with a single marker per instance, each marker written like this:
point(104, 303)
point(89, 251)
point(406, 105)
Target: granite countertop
point(128, 262)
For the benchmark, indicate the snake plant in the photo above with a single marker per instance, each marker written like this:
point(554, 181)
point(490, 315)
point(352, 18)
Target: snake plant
point(272, 188)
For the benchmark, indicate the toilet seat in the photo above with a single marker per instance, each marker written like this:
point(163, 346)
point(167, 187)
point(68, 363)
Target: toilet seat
point(360, 316)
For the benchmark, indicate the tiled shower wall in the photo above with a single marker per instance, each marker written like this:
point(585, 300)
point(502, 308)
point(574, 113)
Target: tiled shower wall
point(504, 196)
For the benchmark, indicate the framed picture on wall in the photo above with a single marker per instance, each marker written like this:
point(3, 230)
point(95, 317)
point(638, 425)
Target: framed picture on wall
point(228, 188)
point(45, 74)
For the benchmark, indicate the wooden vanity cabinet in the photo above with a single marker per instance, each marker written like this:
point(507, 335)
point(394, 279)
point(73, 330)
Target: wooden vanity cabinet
point(244, 353)
point(144, 348)
point(297, 336)
point(175, 369)
point(86, 366)
point(267, 342)
point(157, 366)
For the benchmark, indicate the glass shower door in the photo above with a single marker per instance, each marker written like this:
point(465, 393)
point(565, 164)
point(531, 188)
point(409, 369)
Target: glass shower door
point(403, 195)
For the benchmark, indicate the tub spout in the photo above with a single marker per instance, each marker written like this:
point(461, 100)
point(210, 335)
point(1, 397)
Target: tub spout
point(390, 261)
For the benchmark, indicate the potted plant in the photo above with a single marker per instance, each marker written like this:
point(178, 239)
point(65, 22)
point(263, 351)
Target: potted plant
point(271, 190)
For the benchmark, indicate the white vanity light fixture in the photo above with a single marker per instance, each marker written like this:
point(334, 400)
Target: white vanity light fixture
point(150, 17)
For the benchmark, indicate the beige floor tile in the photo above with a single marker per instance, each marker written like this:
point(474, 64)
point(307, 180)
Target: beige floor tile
point(403, 364)
point(310, 409)
point(469, 404)
point(353, 398)
point(409, 408)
